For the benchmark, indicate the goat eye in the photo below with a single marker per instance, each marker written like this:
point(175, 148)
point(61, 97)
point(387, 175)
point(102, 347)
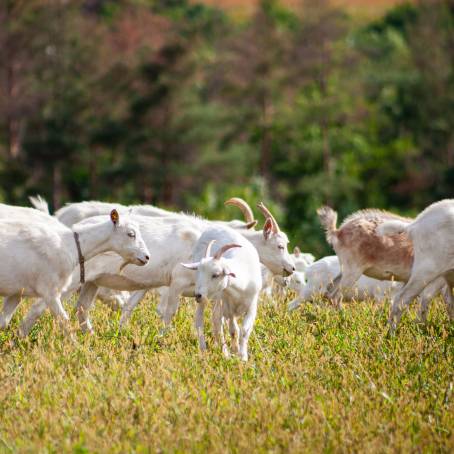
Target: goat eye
point(132, 234)
point(215, 276)
point(281, 247)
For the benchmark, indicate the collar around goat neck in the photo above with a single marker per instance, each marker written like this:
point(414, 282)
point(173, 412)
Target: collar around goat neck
point(81, 258)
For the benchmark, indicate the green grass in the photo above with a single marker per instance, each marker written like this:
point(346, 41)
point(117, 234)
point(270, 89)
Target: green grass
point(317, 381)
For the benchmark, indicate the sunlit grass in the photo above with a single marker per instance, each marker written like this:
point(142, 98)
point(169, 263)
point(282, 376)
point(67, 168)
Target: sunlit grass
point(317, 380)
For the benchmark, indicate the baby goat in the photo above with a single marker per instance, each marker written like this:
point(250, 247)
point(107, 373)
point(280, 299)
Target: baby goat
point(232, 277)
point(322, 274)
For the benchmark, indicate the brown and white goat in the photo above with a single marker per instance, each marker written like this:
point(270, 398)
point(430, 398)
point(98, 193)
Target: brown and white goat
point(362, 250)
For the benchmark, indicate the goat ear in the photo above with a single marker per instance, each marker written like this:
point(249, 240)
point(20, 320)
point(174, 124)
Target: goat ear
point(191, 266)
point(267, 228)
point(297, 251)
point(114, 216)
point(227, 272)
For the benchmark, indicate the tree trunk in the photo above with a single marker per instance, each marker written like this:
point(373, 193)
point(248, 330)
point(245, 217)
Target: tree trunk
point(57, 183)
point(265, 143)
point(93, 169)
point(12, 124)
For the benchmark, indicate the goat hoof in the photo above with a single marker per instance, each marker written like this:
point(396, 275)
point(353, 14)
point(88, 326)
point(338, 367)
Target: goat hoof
point(202, 346)
point(164, 331)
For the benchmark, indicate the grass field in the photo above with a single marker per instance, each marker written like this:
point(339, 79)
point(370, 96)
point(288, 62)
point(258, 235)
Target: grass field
point(317, 381)
point(361, 7)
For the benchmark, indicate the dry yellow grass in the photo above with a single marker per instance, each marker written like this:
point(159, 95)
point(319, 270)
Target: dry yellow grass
point(318, 380)
point(361, 7)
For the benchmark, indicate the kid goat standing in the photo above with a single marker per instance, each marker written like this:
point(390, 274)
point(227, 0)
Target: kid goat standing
point(232, 277)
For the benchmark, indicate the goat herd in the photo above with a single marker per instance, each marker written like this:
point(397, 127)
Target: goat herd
point(117, 253)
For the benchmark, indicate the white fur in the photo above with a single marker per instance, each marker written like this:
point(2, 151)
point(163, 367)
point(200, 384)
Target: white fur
point(277, 286)
point(39, 255)
point(171, 242)
point(392, 227)
point(302, 259)
point(432, 235)
point(233, 281)
point(12, 212)
point(171, 239)
point(40, 204)
point(321, 275)
point(75, 212)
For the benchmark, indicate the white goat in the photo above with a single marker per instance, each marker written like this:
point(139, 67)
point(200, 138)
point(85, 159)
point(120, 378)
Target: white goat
point(232, 277)
point(323, 273)
point(39, 256)
point(72, 213)
point(76, 212)
point(271, 245)
point(275, 285)
point(11, 212)
point(431, 234)
point(301, 259)
point(172, 242)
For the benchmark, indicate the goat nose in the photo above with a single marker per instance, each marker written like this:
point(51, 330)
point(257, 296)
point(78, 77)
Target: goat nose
point(198, 296)
point(293, 268)
point(147, 257)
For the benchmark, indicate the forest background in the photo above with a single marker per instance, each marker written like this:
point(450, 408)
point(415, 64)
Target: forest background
point(183, 104)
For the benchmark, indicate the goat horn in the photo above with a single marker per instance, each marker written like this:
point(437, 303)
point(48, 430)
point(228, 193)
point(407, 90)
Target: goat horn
point(208, 249)
point(224, 249)
point(243, 206)
point(267, 213)
point(251, 225)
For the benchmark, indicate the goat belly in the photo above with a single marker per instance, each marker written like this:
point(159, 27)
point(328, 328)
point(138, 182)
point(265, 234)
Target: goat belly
point(387, 275)
point(118, 282)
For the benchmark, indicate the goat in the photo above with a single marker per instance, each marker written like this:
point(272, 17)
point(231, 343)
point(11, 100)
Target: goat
point(323, 273)
point(271, 245)
point(39, 256)
point(275, 285)
point(172, 241)
point(25, 213)
point(72, 213)
point(230, 276)
point(431, 235)
point(301, 259)
point(362, 250)
point(76, 212)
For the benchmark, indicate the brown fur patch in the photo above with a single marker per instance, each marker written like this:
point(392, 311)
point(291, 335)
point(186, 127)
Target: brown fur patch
point(384, 256)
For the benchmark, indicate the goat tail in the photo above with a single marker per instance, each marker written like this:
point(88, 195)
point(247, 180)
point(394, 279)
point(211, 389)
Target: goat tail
point(392, 228)
point(328, 219)
point(39, 203)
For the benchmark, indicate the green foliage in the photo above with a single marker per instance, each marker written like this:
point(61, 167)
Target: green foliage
point(176, 103)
